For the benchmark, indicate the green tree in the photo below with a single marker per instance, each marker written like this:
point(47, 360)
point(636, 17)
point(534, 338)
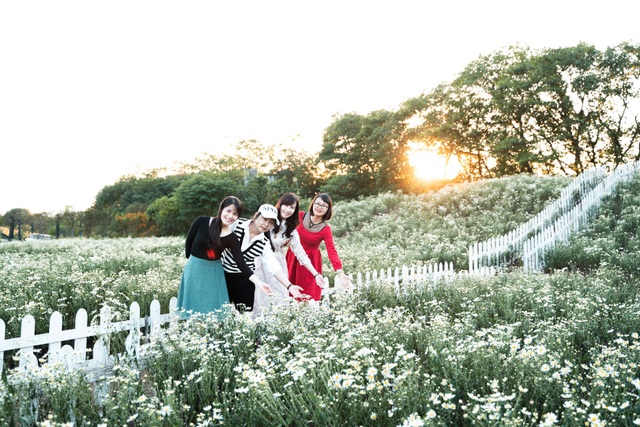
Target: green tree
point(367, 152)
point(70, 223)
point(618, 101)
point(551, 111)
point(136, 192)
point(296, 171)
point(446, 120)
point(41, 223)
point(162, 214)
point(97, 222)
point(16, 219)
point(134, 224)
point(199, 194)
point(130, 194)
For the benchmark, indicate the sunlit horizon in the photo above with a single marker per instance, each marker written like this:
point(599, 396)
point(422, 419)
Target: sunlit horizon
point(169, 85)
point(428, 165)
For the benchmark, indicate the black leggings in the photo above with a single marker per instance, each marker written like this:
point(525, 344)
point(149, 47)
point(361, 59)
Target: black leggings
point(241, 291)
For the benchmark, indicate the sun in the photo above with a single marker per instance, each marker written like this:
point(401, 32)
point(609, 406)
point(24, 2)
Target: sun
point(430, 166)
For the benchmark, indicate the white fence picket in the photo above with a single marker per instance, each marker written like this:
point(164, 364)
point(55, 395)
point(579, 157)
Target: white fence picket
point(27, 331)
point(555, 223)
point(80, 343)
point(2, 332)
point(78, 356)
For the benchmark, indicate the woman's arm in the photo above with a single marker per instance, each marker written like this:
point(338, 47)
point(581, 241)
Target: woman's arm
point(296, 247)
point(272, 266)
point(191, 236)
point(335, 260)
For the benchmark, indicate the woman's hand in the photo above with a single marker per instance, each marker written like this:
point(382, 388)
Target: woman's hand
point(320, 280)
point(345, 280)
point(296, 291)
point(264, 288)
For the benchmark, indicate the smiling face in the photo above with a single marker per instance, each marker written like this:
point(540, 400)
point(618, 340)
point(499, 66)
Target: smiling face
point(322, 206)
point(229, 215)
point(319, 207)
point(264, 224)
point(287, 210)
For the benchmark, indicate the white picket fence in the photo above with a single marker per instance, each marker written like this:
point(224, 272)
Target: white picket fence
point(569, 213)
point(407, 279)
point(96, 360)
point(405, 275)
point(561, 229)
point(37, 351)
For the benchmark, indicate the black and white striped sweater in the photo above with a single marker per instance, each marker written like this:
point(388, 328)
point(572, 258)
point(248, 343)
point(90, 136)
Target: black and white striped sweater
point(251, 250)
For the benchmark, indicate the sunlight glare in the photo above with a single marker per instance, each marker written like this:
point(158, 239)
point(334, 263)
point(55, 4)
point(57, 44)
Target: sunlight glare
point(430, 166)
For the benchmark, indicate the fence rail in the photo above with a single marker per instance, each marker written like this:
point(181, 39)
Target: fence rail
point(94, 360)
point(567, 214)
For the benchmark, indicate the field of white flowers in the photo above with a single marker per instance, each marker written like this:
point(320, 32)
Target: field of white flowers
point(506, 350)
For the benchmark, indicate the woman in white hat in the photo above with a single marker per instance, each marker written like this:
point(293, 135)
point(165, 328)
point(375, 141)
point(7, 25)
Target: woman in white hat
point(254, 244)
point(284, 238)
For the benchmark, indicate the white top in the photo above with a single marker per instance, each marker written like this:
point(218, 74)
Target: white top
point(257, 248)
point(280, 243)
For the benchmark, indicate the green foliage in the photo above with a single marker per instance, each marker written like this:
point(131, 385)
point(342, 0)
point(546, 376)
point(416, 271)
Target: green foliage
point(131, 195)
point(610, 240)
point(201, 194)
point(17, 221)
point(365, 152)
point(521, 111)
point(394, 229)
point(133, 191)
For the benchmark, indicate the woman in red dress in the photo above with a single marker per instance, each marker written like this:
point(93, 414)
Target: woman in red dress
point(314, 230)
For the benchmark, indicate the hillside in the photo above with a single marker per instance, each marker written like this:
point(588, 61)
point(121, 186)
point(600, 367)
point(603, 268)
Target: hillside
point(395, 229)
point(509, 349)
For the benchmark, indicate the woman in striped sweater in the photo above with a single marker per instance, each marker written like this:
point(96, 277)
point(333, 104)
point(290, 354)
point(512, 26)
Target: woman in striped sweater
point(254, 244)
point(203, 288)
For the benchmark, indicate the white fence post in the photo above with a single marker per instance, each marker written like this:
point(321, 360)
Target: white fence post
point(132, 342)
point(2, 332)
point(76, 356)
point(553, 224)
point(28, 330)
point(80, 343)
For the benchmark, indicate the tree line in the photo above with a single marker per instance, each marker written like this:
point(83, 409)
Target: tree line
point(517, 110)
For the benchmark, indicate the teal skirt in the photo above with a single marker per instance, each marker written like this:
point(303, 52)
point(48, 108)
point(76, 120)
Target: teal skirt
point(203, 288)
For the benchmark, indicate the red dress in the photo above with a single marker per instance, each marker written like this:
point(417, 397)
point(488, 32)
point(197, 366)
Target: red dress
point(299, 275)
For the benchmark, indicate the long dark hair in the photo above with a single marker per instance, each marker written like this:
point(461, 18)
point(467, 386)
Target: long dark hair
point(293, 221)
point(214, 231)
point(327, 199)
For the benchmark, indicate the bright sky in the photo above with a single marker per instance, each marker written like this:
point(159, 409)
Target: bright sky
point(92, 91)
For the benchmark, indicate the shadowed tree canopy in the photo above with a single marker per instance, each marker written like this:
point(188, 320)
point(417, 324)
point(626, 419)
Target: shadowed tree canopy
point(199, 194)
point(133, 194)
point(553, 111)
point(365, 154)
point(517, 110)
